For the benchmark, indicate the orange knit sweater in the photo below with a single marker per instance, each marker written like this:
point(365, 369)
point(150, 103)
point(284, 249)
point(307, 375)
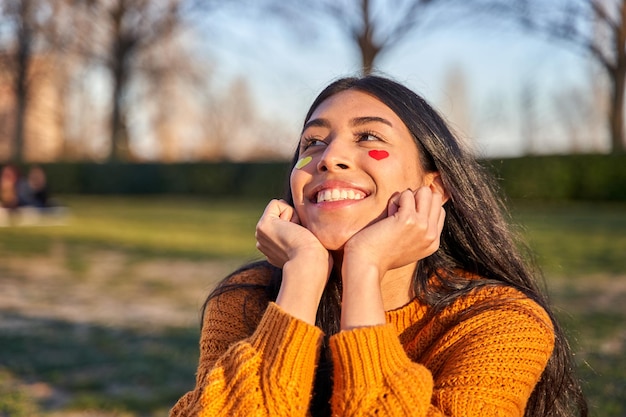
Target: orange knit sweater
point(256, 360)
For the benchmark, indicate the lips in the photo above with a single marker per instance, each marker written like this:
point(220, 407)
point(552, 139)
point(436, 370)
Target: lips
point(338, 194)
point(336, 190)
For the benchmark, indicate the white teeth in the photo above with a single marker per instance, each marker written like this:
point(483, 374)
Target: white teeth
point(337, 195)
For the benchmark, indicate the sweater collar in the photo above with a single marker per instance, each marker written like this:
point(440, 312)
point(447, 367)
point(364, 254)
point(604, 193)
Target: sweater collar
point(405, 316)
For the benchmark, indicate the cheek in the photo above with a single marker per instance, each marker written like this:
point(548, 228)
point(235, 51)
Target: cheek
point(303, 162)
point(395, 173)
point(297, 180)
point(378, 154)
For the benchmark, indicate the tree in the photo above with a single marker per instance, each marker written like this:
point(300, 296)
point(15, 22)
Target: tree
point(595, 27)
point(174, 102)
point(122, 31)
point(233, 129)
point(25, 22)
point(580, 110)
point(374, 27)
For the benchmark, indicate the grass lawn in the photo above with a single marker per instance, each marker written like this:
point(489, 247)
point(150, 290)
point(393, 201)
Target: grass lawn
point(148, 227)
point(100, 316)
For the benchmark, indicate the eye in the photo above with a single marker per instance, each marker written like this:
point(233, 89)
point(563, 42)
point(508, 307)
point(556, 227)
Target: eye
point(368, 137)
point(311, 142)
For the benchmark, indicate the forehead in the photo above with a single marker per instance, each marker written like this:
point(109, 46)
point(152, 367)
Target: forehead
point(354, 103)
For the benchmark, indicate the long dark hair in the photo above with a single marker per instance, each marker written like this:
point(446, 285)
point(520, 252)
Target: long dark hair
point(477, 238)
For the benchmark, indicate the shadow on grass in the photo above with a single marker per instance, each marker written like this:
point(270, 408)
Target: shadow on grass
point(142, 372)
point(90, 367)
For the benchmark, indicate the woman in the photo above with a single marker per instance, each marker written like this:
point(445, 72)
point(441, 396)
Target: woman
point(392, 285)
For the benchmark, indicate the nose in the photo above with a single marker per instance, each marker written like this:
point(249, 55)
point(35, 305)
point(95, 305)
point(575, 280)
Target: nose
point(336, 157)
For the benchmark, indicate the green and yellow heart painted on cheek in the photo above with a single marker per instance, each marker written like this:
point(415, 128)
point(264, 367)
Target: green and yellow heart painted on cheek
point(303, 162)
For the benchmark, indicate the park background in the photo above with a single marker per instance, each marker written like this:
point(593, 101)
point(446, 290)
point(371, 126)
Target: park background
point(165, 126)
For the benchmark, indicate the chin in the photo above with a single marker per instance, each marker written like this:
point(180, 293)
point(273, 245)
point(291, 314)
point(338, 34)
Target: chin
point(334, 246)
point(333, 241)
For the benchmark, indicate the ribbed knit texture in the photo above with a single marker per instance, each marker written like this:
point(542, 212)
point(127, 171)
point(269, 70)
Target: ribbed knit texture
point(256, 360)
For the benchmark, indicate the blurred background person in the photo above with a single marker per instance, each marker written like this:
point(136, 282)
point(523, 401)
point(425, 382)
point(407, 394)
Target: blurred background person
point(34, 192)
point(9, 179)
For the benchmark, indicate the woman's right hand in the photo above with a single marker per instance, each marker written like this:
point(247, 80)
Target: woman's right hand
point(305, 262)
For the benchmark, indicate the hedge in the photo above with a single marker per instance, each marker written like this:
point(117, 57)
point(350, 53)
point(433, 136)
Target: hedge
point(566, 177)
point(216, 179)
point(563, 177)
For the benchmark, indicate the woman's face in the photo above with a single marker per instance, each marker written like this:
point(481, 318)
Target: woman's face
point(355, 154)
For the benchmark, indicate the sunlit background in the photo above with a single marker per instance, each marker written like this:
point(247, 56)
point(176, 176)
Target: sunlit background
point(164, 126)
point(184, 80)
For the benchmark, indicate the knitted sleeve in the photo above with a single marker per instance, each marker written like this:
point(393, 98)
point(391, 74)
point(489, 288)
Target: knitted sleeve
point(266, 372)
point(485, 365)
point(374, 376)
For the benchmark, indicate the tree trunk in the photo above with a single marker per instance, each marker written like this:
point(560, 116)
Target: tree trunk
point(121, 50)
point(365, 39)
point(368, 56)
point(617, 73)
point(616, 113)
point(21, 82)
point(17, 154)
point(119, 139)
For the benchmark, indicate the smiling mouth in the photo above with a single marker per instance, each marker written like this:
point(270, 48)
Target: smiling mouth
point(336, 194)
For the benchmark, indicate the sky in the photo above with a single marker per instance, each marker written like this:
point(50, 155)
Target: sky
point(286, 71)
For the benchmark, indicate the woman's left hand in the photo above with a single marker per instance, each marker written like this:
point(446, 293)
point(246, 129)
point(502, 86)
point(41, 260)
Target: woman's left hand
point(410, 232)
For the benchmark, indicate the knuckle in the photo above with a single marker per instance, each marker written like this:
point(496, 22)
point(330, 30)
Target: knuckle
point(420, 225)
point(432, 236)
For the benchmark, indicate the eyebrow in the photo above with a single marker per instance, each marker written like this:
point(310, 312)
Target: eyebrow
point(316, 123)
point(357, 121)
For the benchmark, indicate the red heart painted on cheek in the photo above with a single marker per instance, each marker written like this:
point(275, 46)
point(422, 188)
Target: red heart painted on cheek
point(378, 155)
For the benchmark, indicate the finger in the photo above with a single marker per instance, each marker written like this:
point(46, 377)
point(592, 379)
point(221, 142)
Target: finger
point(436, 221)
point(294, 217)
point(393, 205)
point(283, 210)
point(441, 219)
point(437, 194)
point(436, 203)
point(423, 201)
point(278, 208)
point(286, 213)
point(437, 212)
point(272, 209)
point(407, 203)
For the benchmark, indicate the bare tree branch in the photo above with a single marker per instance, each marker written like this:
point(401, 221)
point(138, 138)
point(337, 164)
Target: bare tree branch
point(374, 27)
point(596, 28)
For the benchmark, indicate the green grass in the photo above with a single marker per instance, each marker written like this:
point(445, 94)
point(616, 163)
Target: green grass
point(125, 256)
point(190, 228)
point(576, 238)
point(142, 372)
point(568, 238)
